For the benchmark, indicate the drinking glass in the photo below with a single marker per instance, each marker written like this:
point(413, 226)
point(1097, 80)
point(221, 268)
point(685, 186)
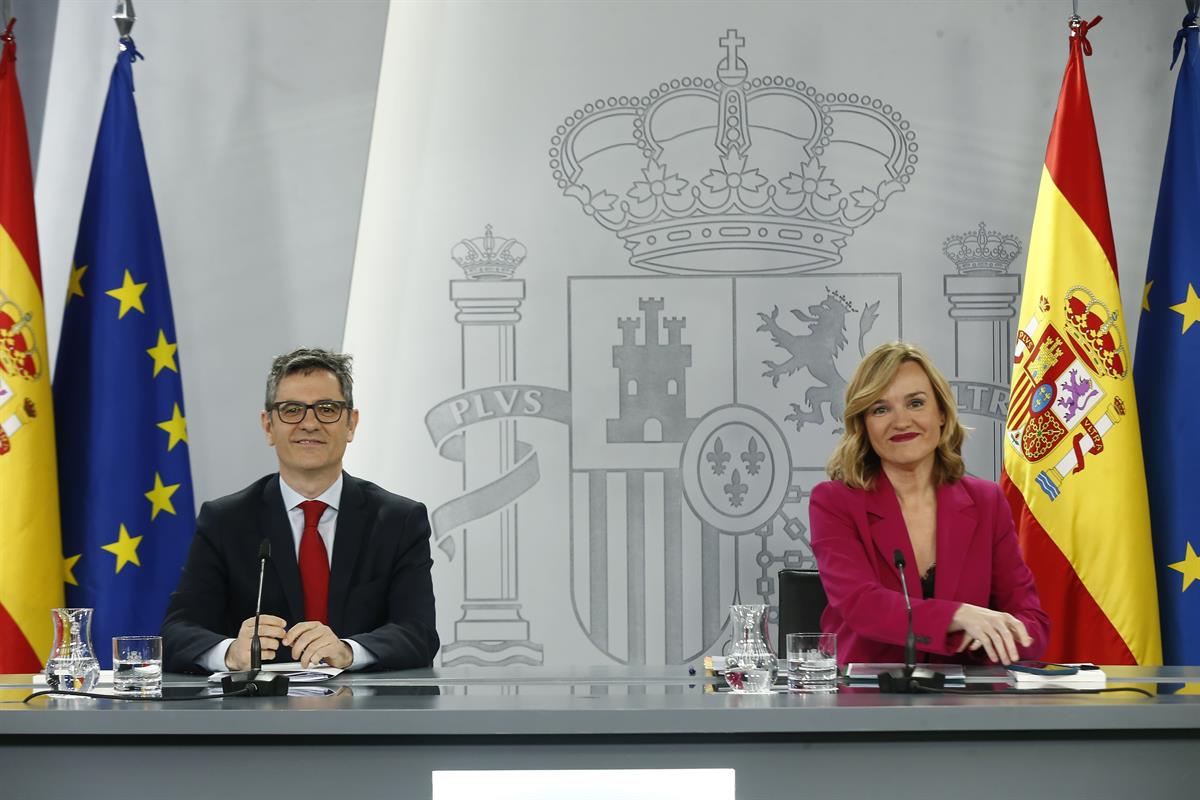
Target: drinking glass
point(137, 665)
point(812, 662)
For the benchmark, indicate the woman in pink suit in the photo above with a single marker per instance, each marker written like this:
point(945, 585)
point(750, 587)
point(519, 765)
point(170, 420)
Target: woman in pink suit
point(898, 483)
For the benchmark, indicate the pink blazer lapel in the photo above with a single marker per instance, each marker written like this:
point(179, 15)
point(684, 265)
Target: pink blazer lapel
point(889, 532)
point(956, 529)
point(957, 522)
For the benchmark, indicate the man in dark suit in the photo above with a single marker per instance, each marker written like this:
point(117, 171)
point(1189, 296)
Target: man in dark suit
point(348, 582)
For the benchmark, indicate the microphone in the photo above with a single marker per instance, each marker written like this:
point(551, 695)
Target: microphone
point(910, 679)
point(910, 639)
point(255, 681)
point(264, 553)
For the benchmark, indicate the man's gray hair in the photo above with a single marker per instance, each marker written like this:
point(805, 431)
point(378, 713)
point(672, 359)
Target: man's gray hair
point(308, 359)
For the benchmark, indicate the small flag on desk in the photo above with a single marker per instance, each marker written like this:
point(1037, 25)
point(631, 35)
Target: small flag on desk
point(1167, 367)
point(1073, 449)
point(124, 479)
point(30, 565)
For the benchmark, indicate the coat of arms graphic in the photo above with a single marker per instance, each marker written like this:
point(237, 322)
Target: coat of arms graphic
point(703, 394)
point(20, 362)
point(1065, 396)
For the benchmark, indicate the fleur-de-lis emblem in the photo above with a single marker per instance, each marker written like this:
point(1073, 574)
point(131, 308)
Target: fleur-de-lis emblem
point(753, 457)
point(718, 457)
point(735, 489)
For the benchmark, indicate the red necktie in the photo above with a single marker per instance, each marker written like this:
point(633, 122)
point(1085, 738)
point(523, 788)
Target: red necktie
point(314, 564)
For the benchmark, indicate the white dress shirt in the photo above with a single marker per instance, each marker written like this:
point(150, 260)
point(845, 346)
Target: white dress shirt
point(214, 659)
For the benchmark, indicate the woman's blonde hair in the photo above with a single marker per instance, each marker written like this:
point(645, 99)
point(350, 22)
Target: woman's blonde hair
point(854, 462)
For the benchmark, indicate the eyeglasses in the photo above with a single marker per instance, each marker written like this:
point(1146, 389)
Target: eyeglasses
point(324, 410)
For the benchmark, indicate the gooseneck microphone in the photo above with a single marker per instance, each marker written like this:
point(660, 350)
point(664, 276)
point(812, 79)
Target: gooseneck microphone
point(910, 679)
point(910, 638)
point(255, 681)
point(264, 553)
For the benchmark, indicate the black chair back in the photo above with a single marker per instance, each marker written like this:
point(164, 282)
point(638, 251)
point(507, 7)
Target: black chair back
point(801, 603)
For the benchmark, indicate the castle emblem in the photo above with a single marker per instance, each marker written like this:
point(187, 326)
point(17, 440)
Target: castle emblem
point(653, 379)
point(700, 171)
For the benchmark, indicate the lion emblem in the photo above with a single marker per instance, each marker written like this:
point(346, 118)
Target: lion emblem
point(817, 351)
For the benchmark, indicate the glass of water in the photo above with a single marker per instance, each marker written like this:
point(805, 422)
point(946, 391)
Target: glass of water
point(137, 665)
point(812, 662)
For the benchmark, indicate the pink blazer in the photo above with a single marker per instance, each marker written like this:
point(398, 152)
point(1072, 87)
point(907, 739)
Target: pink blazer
point(854, 534)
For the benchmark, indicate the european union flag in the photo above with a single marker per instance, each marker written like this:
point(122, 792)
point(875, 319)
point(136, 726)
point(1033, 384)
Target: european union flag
point(124, 482)
point(1166, 370)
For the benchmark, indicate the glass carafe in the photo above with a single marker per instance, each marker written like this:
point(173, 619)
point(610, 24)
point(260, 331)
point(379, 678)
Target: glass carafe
point(72, 666)
point(751, 666)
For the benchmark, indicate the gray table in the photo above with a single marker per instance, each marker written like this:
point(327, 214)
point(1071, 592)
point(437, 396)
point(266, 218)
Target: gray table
point(383, 735)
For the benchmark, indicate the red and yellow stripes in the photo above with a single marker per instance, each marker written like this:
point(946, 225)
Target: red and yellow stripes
point(1089, 545)
point(31, 580)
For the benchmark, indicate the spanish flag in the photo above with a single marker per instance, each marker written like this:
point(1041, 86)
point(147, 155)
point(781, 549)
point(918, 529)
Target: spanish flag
point(1073, 468)
point(31, 566)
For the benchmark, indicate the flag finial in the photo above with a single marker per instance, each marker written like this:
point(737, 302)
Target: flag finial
point(124, 16)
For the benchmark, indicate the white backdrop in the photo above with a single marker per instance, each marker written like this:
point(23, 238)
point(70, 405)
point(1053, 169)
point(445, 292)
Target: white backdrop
point(258, 117)
point(602, 496)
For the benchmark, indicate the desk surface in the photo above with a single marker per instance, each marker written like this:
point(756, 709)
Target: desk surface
point(590, 701)
point(390, 735)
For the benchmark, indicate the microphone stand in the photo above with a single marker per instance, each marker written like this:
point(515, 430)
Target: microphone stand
point(912, 679)
point(255, 681)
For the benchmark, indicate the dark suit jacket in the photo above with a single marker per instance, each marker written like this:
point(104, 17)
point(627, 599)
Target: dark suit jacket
point(854, 535)
point(380, 588)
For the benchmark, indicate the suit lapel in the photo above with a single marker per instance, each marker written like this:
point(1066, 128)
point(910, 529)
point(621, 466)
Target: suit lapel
point(273, 522)
point(347, 542)
point(956, 524)
point(888, 530)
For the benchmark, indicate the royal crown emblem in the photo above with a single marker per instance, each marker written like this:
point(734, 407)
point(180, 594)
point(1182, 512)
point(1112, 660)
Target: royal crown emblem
point(1093, 325)
point(488, 257)
point(982, 251)
point(734, 174)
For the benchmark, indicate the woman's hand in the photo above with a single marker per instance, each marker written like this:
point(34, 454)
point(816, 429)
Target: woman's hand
point(995, 631)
